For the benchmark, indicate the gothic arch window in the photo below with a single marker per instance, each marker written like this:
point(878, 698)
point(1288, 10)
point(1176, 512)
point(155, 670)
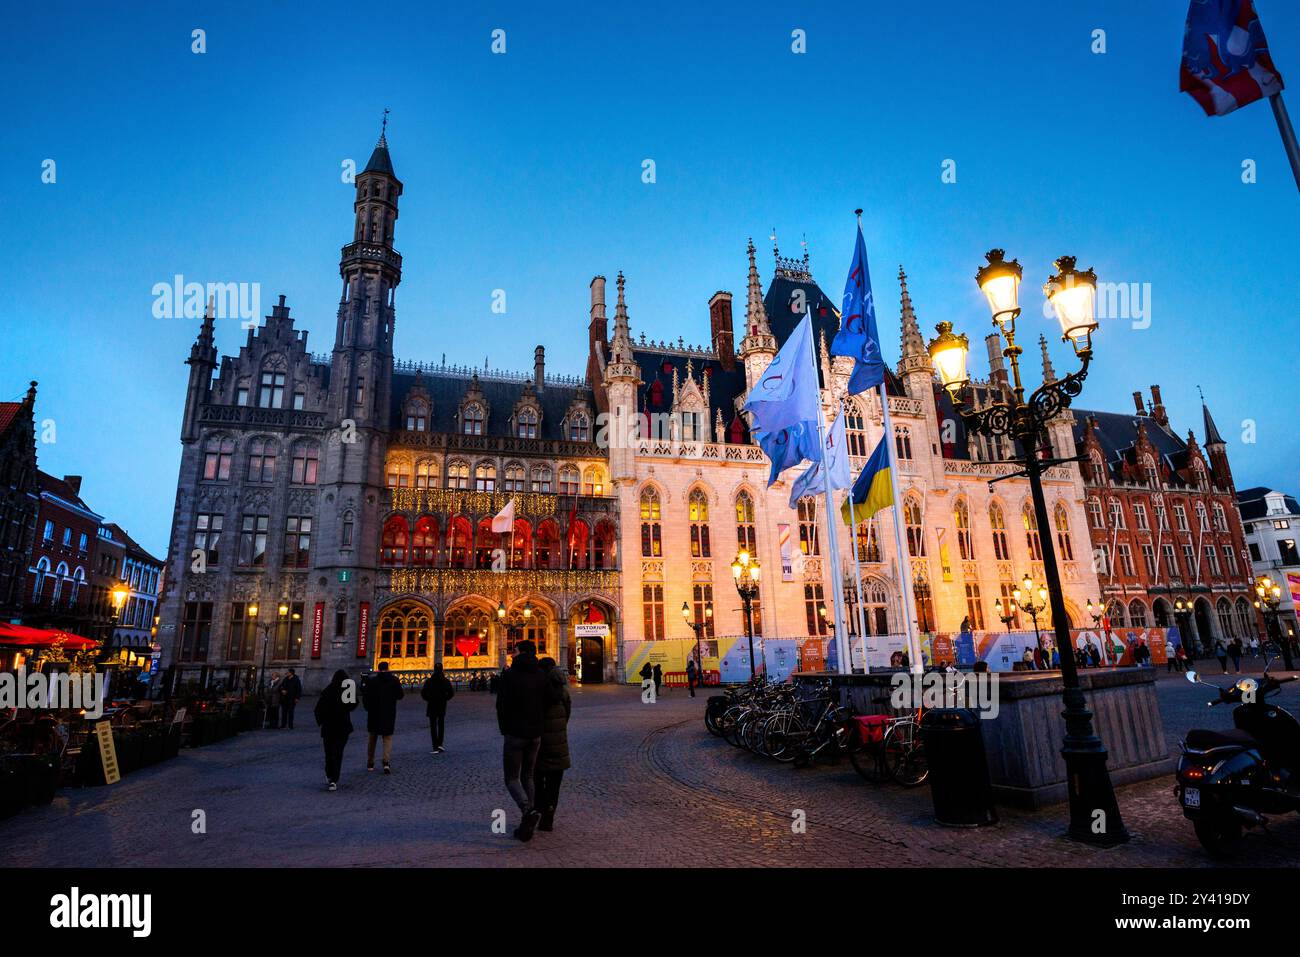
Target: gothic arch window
point(593, 480)
point(261, 460)
point(42, 575)
point(399, 472)
point(1220, 518)
point(542, 479)
point(1245, 620)
point(855, 431)
point(426, 473)
point(417, 415)
point(809, 541)
point(459, 542)
point(579, 427)
point(1095, 518)
point(404, 633)
point(521, 544)
point(1032, 540)
point(1226, 624)
point(306, 463)
point(465, 635)
point(515, 478)
point(605, 545)
point(526, 423)
point(698, 512)
point(1064, 544)
point(546, 544)
point(1097, 467)
point(1198, 471)
point(1115, 612)
point(745, 538)
point(471, 419)
point(270, 392)
point(485, 477)
point(961, 519)
point(393, 544)
point(1152, 473)
point(651, 533)
point(424, 540)
point(568, 480)
point(868, 540)
point(913, 521)
point(1202, 517)
point(579, 534)
point(998, 522)
point(1137, 614)
point(903, 442)
point(458, 474)
point(217, 456)
point(485, 542)
point(345, 529)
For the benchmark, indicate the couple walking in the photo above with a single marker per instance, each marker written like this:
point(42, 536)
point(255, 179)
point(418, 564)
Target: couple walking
point(533, 707)
point(380, 694)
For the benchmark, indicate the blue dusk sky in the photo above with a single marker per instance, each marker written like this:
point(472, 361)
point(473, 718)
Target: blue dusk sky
point(523, 172)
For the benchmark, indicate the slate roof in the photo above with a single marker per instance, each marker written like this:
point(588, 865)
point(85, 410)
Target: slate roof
point(656, 393)
point(120, 534)
point(446, 390)
point(380, 161)
point(56, 486)
point(1251, 504)
point(1117, 434)
point(8, 412)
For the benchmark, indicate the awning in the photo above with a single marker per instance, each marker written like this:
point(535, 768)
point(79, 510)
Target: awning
point(21, 636)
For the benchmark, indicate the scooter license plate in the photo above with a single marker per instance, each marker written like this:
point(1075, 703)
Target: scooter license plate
point(1191, 797)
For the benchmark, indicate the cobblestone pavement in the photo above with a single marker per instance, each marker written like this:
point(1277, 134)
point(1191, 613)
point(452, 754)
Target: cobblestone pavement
point(649, 786)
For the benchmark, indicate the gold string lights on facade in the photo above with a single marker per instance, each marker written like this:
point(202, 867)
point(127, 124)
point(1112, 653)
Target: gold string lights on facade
point(457, 501)
point(466, 580)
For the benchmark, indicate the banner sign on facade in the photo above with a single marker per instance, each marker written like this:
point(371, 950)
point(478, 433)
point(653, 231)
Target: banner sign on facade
point(363, 630)
point(787, 551)
point(600, 630)
point(780, 658)
point(317, 628)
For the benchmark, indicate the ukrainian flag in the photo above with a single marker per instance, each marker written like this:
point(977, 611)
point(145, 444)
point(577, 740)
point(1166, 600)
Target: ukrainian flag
point(873, 490)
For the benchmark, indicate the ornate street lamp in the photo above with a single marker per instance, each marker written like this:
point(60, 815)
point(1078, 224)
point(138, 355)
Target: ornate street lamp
point(1032, 608)
point(698, 627)
point(283, 612)
point(1269, 598)
point(745, 570)
point(1070, 291)
point(1183, 615)
point(1010, 615)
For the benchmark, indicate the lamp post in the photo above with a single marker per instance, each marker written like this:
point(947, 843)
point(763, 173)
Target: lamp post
point(698, 627)
point(1070, 291)
point(1032, 608)
point(745, 570)
point(1183, 615)
point(1009, 617)
point(514, 628)
point(283, 615)
point(118, 596)
point(1270, 596)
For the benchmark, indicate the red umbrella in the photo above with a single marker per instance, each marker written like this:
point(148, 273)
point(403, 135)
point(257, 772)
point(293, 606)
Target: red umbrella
point(21, 636)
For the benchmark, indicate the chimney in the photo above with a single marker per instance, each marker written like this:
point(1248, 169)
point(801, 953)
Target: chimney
point(1158, 407)
point(539, 367)
point(73, 482)
point(1137, 401)
point(997, 371)
point(723, 334)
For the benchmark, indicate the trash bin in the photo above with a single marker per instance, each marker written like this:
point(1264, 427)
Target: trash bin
point(959, 770)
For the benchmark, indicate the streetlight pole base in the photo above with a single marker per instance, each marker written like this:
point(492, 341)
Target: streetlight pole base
point(1094, 812)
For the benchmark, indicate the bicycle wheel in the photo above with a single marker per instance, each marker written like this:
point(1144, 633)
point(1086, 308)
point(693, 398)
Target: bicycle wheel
point(868, 761)
point(727, 724)
point(786, 737)
point(904, 756)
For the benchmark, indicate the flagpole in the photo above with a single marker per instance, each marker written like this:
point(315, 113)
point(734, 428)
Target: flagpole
point(837, 577)
point(857, 567)
point(900, 545)
point(1288, 134)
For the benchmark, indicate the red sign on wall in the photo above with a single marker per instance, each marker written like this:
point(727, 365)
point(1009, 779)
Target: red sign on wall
point(363, 630)
point(317, 627)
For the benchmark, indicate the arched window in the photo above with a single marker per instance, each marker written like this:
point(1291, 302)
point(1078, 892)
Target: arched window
point(472, 419)
point(1220, 519)
point(698, 506)
point(1152, 473)
point(42, 573)
point(855, 430)
point(426, 473)
point(1063, 543)
point(1137, 614)
point(424, 542)
point(218, 453)
point(1097, 468)
point(809, 541)
point(521, 544)
point(514, 481)
point(485, 542)
point(485, 477)
point(399, 473)
point(961, 518)
point(261, 460)
point(306, 463)
point(546, 544)
point(1032, 539)
point(1115, 612)
point(903, 442)
point(998, 522)
point(531, 628)
point(465, 635)
point(458, 475)
point(579, 427)
point(404, 633)
point(605, 541)
point(593, 480)
point(1227, 627)
point(1245, 619)
point(745, 538)
point(1202, 517)
point(542, 479)
point(271, 393)
point(417, 416)
point(392, 550)
point(868, 541)
point(568, 480)
point(526, 423)
point(651, 543)
point(459, 542)
point(915, 529)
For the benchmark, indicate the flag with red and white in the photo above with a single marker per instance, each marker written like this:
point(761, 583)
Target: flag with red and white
point(504, 520)
point(1226, 63)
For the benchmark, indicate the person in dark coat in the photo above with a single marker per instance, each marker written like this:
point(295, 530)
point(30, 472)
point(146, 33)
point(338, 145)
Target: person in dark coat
point(1221, 653)
point(380, 696)
point(658, 674)
point(521, 707)
point(647, 682)
point(553, 756)
point(290, 692)
point(334, 715)
point(271, 698)
point(437, 691)
point(1234, 652)
point(691, 675)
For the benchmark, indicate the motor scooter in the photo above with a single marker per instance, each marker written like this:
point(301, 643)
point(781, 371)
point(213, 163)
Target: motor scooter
point(1229, 780)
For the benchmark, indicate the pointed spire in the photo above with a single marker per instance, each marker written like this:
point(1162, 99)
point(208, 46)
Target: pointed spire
point(1212, 436)
point(1049, 374)
point(621, 346)
point(755, 313)
point(913, 344)
point(380, 161)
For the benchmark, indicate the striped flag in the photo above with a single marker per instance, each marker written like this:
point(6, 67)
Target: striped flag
point(873, 490)
point(1226, 63)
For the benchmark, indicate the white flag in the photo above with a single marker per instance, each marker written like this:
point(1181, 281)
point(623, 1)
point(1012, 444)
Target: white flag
point(836, 457)
point(504, 520)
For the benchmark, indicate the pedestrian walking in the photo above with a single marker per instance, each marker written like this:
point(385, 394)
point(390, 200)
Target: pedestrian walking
point(1221, 653)
point(334, 715)
point(553, 755)
point(1254, 646)
point(437, 691)
point(1056, 657)
point(1175, 661)
point(1142, 654)
point(289, 693)
point(691, 675)
point(380, 696)
point(647, 683)
point(521, 712)
point(658, 674)
point(271, 700)
point(1234, 652)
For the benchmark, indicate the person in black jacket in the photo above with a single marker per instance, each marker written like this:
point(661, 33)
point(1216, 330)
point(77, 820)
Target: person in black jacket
point(437, 691)
point(521, 708)
point(380, 696)
point(334, 715)
point(290, 692)
point(553, 756)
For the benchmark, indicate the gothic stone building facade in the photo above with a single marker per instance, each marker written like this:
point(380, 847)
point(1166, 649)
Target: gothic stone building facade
point(355, 492)
point(694, 492)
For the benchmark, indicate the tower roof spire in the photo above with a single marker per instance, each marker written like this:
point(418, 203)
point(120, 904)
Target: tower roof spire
point(913, 344)
point(380, 161)
point(755, 312)
point(1212, 436)
point(622, 333)
point(1049, 374)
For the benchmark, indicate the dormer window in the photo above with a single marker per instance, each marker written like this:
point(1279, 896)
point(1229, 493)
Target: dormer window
point(526, 424)
point(472, 419)
point(271, 394)
point(579, 427)
point(417, 416)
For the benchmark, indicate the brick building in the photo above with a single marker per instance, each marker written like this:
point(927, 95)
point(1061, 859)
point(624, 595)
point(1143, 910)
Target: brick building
point(61, 560)
point(1164, 524)
point(19, 500)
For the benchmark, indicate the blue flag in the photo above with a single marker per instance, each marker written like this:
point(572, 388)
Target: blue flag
point(835, 457)
point(789, 446)
point(858, 336)
point(783, 404)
